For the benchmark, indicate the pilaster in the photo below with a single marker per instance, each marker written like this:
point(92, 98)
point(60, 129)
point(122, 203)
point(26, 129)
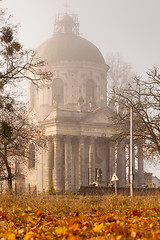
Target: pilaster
point(58, 165)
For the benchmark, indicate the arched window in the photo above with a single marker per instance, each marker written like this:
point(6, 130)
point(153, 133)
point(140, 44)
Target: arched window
point(89, 90)
point(58, 91)
point(31, 163)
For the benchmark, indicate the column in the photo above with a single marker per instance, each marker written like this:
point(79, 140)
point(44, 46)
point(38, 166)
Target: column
point(81, 162)
point(91, 160)
point(140, 164)
point(58, 165)
point(121, 164)
point(68, 160)
point(50, 162)
point(111, 160)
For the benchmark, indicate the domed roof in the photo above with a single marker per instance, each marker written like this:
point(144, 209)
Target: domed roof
point(67, 45)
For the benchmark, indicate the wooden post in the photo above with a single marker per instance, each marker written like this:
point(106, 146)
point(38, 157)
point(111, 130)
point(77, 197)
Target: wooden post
point(15, 188)
point(1, 188)
point(29, 188)
point(115, 187)
point(35, 189)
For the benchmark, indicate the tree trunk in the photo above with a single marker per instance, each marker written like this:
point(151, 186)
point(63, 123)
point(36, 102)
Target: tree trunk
point(8, 168)
point(9, 178)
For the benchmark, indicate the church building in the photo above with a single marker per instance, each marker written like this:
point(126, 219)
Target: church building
point(72, 109)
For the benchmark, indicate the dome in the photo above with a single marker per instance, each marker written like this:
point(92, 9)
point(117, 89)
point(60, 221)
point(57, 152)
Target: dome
point(67, 45)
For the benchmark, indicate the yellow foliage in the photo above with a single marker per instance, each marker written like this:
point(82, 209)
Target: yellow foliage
point(133, 234)
point(98, 227)
point(74, 218)
point(61, 230)
point(12, 236)
point(29, 236)
point(118, 237)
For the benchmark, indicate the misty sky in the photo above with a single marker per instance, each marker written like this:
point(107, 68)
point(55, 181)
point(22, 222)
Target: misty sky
point(130, 27)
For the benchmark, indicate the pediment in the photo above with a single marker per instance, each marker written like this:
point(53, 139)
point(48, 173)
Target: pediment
point(99, 116)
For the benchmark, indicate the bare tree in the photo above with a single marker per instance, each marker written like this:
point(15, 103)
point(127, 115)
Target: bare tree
point(15, 62)
point(143, 96)
point(16, 130)
point(120, 71)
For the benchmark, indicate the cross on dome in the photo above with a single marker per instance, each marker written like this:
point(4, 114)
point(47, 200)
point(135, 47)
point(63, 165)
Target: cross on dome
point(66, 24)
point(66, 6)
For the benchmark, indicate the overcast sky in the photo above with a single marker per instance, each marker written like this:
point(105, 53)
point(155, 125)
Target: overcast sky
point(130, 27)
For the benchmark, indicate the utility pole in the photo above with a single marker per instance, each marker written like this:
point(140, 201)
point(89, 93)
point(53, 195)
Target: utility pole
point(131, 151)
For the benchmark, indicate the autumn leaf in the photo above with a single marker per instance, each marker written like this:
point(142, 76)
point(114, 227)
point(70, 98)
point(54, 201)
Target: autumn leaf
point(29, 235)
point(98, 227)
point(28, 209)
point(133, 234)
point(80, 218)
point(61, 230)
point(75, 227)
point(12, 236)
point(118, 237)
point(136, 213)
point(3, 215)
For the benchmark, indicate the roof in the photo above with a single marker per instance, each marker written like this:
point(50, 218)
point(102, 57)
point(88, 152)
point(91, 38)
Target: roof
point(69, 47)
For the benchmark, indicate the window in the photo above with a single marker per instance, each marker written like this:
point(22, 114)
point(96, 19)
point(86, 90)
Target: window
point(58, 91)
point(89, 90)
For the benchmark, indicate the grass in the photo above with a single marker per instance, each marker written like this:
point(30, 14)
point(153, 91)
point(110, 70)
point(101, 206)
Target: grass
point(78, 217)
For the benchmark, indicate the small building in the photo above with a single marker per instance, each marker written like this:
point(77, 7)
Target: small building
point(155, 181)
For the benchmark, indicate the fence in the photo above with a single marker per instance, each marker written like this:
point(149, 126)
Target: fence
point(19, 190)
point(121, 191)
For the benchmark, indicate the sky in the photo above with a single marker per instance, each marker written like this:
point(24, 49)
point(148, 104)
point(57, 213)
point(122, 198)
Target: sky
point(128, 27)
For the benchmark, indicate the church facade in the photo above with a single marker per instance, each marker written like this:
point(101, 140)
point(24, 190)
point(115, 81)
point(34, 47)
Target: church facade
point(72, 110)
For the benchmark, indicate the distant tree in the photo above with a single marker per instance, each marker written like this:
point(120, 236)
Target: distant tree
point(144, 97)
point(120, 73)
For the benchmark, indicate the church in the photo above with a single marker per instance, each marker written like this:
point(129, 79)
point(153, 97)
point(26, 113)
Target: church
point(72, 109)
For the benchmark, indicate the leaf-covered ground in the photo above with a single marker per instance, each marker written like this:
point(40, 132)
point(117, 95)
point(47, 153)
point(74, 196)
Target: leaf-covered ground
point(107, 217)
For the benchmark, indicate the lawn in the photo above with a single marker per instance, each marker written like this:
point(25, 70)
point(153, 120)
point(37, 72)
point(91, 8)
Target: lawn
point(77, 217)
